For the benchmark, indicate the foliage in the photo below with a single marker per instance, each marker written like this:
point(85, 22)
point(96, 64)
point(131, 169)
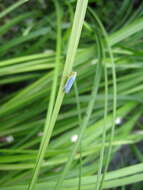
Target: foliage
point(42, 42)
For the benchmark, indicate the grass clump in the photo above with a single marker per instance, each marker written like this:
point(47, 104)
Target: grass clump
point(41, 44)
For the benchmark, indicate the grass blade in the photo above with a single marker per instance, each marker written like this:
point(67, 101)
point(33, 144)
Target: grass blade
point(50, 122)
point(12, 7)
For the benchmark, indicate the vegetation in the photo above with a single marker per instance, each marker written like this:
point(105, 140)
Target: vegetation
point(90, 138)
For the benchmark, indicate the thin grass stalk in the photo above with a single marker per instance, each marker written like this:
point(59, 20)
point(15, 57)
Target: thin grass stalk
point(12, 7)
point(102, 152)
point(107, 160)
point(42, 148)
point(80, 121)
point(84, 124)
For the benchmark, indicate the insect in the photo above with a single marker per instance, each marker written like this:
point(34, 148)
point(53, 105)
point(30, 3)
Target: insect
point(70, 82)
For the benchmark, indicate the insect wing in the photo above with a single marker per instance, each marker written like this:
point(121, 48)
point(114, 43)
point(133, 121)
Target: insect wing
point(69, 83)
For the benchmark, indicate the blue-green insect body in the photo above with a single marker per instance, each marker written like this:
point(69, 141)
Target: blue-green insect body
point(70, 82)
